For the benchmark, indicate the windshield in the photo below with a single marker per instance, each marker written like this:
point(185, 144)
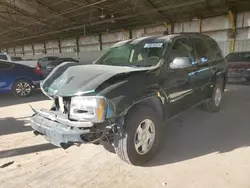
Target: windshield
point(141, 54)
point(238, 57)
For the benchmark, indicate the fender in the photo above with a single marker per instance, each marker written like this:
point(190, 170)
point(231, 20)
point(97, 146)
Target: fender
point(123, 104)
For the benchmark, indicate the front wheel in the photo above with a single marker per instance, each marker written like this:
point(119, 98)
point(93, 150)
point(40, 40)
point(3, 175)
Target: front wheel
point(22, 88)
point(138, 141)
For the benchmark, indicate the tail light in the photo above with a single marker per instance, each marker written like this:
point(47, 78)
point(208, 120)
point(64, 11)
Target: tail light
point(38, 65)
point(38, 71)
point(38, 68)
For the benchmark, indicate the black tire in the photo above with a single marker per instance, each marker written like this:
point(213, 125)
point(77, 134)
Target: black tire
point(211, 105)
point(124, 139)
point(22, 88)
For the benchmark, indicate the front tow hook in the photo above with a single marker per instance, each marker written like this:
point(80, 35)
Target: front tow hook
point(37, 133)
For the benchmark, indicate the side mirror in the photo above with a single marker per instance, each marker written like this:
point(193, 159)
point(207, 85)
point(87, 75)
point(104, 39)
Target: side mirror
point(180, 63)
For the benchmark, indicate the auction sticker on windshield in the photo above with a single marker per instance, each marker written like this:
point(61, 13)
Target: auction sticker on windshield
point(153, 45)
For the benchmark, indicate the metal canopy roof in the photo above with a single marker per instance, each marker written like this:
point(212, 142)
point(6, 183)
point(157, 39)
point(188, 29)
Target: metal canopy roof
point(29, 21)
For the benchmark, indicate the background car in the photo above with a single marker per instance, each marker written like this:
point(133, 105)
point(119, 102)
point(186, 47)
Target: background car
point(238, 67)
point(18, 79)
point(18, 60)
point(50, 66)
point(43, 62)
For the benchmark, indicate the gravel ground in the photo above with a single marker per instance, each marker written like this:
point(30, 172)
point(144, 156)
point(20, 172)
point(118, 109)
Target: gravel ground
point(199, 150)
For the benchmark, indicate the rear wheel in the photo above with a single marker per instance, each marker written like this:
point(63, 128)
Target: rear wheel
point(138, 141)
point(213, 104)
point(22, 88)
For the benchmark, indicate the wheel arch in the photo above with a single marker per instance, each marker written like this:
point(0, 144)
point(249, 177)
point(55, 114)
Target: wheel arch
point(154, 102)
point(223, 75)
point(22, 78)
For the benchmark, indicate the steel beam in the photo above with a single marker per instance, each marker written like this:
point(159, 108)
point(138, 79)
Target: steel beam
point(45, 47)
point(33, 49)
point(232, 18)
point(59, 46)
point(159, 11)
point(100, 41)
point(55, 11)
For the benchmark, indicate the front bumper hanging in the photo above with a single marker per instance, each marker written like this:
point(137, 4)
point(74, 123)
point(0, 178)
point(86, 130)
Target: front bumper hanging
point(62, 132)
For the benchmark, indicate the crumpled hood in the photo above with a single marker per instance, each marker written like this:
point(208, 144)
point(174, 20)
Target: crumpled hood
point(70, 79)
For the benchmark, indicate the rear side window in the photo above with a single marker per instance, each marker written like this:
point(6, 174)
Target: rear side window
point(200, 50)
point(4, 65)
point(67, 59)
point(213, 49)
point(3, 57)
point(71, 59)
point(52, 58)
point(55, 62)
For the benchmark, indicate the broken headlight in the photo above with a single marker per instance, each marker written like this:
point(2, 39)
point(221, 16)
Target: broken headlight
point(88, 108)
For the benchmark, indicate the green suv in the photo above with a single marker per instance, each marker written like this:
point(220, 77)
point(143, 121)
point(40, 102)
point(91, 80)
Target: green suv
point(127, 96)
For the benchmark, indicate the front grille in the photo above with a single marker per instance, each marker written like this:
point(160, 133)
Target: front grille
point(64, 107)
point(66, 102)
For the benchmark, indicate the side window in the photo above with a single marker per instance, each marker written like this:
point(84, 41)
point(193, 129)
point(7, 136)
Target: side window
point(3, 57)
point(200, 50)
point(16, 59)
point(119, 54)
point(181, 48)
point(214, 49)
point(51, 58)
point(4, 65)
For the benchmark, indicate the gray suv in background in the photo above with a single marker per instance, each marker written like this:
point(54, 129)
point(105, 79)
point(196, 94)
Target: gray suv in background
point(53, 64)
point(43, 62)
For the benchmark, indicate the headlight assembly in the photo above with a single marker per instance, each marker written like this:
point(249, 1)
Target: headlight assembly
point(88, 108)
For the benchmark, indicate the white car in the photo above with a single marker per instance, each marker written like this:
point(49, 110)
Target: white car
point(18, 60)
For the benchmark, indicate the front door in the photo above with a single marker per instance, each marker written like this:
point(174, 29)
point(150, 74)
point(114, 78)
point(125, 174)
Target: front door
point(177, 82)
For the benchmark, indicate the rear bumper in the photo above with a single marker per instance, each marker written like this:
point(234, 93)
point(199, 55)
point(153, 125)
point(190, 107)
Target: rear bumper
point(36, 84)
point(61, 132)
point(240, 77)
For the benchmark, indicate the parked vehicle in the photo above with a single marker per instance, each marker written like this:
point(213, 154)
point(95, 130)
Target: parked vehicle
point(18, 79)
point(128, 94)
point(239, 67)
point(50, 66)
point(18, 60)
point(43, 62)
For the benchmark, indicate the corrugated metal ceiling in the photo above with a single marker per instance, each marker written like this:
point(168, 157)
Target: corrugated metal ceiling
point(24, 21)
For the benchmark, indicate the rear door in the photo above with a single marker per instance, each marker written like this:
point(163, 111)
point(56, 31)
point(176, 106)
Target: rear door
point(201, 77)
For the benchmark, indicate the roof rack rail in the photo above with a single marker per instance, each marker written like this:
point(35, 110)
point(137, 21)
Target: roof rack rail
point(197, 33)
point(192, 33)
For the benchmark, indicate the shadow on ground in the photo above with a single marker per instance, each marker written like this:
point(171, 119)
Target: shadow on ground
point(197, 133)
point(12, 125)
point(26, 150)
point(8, 99)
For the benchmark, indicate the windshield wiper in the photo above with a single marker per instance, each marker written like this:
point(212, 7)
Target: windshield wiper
point(147, 65)
point(134, 66)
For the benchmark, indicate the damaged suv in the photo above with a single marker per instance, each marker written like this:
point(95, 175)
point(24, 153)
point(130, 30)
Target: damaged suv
point(128, 94)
